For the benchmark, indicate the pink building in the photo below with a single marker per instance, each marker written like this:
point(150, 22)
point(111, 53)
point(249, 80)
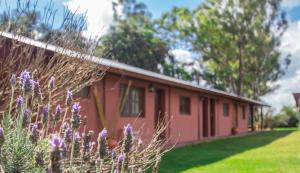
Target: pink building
point(128, 94)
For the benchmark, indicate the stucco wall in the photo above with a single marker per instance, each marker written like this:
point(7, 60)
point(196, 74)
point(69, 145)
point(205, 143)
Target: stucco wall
point(225, 122)
point(182, 128)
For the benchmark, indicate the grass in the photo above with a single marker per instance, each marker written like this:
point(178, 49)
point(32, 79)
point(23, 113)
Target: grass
point(276, 151)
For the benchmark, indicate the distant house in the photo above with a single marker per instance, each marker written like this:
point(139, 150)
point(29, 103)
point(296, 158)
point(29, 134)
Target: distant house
point(128, 94)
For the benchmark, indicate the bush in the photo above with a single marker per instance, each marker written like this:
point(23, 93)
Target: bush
point(287, 117)
point(36, 138)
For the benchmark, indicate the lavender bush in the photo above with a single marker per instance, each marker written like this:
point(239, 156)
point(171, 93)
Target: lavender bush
point(36, 136)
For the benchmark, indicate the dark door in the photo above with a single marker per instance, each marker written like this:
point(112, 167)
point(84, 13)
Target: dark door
point(205, 117)
point(159, 108)
point(235, 116)
point(212, 117)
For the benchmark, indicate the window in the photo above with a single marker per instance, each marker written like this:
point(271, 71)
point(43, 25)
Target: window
point(244, 112)
point(185, 105)
point(83, 93)
point(226, 109)
point(132, 101)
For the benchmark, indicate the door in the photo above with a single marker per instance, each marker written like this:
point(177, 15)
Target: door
point(159, 106)
point(235, 120)
point(205, 117)
point(212, 117)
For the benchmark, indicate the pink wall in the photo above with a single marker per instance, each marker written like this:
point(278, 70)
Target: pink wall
point(225, 122)
point(182, 128)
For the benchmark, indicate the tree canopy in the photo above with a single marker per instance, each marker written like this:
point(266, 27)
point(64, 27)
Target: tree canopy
point(238, 42)
point(132, 38)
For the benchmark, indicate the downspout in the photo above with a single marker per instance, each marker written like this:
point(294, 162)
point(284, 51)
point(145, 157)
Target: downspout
point(261, 118)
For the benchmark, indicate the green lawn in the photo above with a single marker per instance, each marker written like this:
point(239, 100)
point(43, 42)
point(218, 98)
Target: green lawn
point(266, 152)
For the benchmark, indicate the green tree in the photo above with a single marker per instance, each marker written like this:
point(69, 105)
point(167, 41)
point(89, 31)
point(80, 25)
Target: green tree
point(132, 38)
point(238, 42)
point(287, 117)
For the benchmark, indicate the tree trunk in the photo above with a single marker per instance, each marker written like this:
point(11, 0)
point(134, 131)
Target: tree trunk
point(241, 74)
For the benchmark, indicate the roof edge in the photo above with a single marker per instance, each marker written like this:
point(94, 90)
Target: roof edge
point(121, 66)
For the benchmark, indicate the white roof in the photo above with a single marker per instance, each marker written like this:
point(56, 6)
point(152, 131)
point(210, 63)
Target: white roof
point(121, 66)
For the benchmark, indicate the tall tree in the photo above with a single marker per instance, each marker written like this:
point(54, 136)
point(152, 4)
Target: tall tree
point(132, 38)
point(238, 41)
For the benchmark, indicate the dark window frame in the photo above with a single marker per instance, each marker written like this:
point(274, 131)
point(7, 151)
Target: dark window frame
point(84, 93)
point(226, 109)
point(131, 100)
point(185, 105)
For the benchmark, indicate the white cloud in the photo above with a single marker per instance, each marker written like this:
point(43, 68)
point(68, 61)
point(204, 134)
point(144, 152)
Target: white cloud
point(290, 3)
point(182, 56)
point(99, 14)
point(291, 81)
point(187, 58)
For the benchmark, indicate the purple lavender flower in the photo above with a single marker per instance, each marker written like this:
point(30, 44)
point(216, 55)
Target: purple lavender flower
point(57, 113)
point(55, 142)
point(51, 83)
point(68, 135)
point(24, 75)
point(128, 134)
point(76, 108)
point(77, 136)
point(128, 130)
point(103, 134)
point(34, 136)
point(13, 80)
point(19, 101)
point(120, 161)
point(45, 115)
point(77, 144)
point(113, 154)
point(56, 154)
point(63, 147)
point(2, 138)
point(37, 94)
point(75, 116)
point(49, 170)
point(69, 98)
point(25, 118)
point(26, 81)
point(102, 143)
point(87, 146)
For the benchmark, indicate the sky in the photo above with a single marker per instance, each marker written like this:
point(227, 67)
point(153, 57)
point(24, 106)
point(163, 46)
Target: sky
point(100, 15)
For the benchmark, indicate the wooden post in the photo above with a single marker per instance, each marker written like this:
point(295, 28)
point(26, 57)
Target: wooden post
point(261, 118)
point(252, 117)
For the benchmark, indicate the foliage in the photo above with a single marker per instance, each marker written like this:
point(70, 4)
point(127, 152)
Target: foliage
point(178, 70)
point(238, 42)
point(28, 20)
point(287, 117)
point(42, 138)
point(265, 152)
point(132, 38)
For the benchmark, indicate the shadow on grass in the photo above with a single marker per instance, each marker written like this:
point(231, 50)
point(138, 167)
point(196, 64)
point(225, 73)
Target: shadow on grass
point(206, 153)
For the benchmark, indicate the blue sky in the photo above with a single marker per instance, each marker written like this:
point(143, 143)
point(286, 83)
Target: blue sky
point(157, 7)
point(99, 17)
